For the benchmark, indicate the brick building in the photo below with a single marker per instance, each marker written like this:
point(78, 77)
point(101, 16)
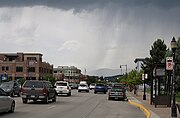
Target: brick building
point(71, 74)
point(24, 65)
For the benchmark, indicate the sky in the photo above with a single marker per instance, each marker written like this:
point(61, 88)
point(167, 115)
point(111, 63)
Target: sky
point(88, 34)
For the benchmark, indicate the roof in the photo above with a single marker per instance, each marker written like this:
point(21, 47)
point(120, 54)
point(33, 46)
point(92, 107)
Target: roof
point(138, 59)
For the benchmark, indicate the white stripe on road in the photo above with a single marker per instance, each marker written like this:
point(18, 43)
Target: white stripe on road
point(51, 107)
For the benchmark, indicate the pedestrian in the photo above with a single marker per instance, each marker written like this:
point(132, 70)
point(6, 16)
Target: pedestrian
point(135, 90)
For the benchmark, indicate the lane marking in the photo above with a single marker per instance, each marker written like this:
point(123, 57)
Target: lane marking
point(51, 107)
point(146, 111)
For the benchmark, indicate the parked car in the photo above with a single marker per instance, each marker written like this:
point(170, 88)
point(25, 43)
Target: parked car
point(100, 87)
point(92, 86)
point(38, 90)
point(7, 104)
point(62, 87)
point(109, 86)
point(83, 87)
point(117, 92)
point(12, 88)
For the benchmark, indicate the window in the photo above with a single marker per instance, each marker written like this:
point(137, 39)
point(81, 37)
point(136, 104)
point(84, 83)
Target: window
point(3, 68)
point(19, 69)
point(7, 68)
point(31, 69)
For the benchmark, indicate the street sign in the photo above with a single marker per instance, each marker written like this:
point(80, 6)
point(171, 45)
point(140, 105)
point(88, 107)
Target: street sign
point(142, 76)
point(4, 77)
point(169, 63)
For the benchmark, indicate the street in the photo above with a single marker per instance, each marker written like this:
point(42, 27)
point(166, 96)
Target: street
point(79, 105)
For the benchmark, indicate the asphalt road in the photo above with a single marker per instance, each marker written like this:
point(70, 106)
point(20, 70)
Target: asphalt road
point(79, 105)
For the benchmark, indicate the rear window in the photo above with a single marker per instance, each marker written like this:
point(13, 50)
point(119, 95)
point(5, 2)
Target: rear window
point(93, 84)
point(117, 89)
point(61, 84)
point(99, 84)
point(83, 85)
point(35, 84)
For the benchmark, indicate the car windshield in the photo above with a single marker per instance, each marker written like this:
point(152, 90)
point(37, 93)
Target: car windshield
point(61, 84)
point(35, 84)
point(6, 85)
point(83, 85)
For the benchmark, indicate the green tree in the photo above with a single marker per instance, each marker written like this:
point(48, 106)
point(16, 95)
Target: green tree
point(92, 79)
point(157, 55)
point(50, 78)
point(133, 78)
point(178, 64)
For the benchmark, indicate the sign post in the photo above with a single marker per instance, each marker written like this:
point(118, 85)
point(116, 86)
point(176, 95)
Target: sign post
point(169, 63)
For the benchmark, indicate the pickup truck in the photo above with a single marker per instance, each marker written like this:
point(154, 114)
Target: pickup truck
point(117, 92)
point(38, 90)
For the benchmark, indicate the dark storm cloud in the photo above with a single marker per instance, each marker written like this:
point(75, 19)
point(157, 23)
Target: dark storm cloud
point(79, 5)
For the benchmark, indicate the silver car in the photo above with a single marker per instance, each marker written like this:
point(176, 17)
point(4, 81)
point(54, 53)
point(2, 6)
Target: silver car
point(7, 104)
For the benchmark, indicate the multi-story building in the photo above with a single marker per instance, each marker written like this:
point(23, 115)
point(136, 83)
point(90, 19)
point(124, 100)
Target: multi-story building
point(71, 74)
point(24, 65)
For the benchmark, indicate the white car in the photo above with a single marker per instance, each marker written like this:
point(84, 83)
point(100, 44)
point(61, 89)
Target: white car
point(92, 86)
point(62, 87)
point(7, 104)
point(83, 87)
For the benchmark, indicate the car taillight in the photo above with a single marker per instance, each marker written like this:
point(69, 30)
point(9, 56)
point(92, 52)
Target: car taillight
point(44, 91)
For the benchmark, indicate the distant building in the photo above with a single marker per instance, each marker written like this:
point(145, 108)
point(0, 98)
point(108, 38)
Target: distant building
point(139, 62)
point(71, 74)
point(24, 65)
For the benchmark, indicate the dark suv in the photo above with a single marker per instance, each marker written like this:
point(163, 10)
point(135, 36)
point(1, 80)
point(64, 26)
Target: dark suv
point(117, 91)
point(100, 87)
point(12, 88)
point(38, 90)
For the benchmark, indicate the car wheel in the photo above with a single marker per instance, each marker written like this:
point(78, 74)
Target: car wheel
point(54, 98)
point(24, 100)
point(105, 92)
point(12, 107)
point(46, 100)
point(69, 94)
point(95, 92)
point(79, 91)
point(18, 94)
point(12, 94)
point(109, 98)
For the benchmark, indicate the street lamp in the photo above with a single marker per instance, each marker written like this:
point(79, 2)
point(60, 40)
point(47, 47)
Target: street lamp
point(144, 77)
point(126, 69)
point(173, 107)
point(125, 66)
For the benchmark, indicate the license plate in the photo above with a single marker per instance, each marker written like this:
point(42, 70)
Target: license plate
point(33, 96)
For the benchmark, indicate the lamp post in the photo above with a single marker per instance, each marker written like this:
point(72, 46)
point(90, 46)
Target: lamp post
point(126, 69)
point(173, 107)
point(125, 66)
point(144, 77)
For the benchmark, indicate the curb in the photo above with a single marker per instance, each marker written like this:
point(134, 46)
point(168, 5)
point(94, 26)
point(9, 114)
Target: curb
point(146, 112)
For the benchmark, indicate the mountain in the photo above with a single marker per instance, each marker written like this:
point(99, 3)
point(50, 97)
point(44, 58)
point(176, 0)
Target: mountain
point(105, 72)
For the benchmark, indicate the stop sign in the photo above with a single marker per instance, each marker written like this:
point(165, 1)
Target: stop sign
point(169, 63)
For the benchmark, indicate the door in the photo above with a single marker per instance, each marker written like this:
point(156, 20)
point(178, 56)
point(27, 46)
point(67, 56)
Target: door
point(3, 101)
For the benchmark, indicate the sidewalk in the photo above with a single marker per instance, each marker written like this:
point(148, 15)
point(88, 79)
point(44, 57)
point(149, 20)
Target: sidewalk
point(158, 112)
